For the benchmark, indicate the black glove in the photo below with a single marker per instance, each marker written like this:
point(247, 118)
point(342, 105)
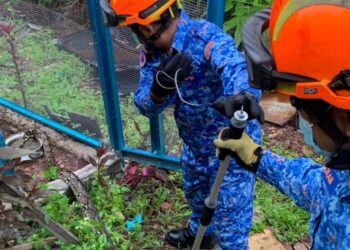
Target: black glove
point(164, 80)
point(234, 103)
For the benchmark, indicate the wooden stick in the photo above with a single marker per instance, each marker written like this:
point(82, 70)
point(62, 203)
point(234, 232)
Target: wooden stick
point(38, 215)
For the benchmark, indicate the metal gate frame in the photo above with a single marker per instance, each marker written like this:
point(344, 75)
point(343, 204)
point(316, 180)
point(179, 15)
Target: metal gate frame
point(157, 157)
point(109, 85)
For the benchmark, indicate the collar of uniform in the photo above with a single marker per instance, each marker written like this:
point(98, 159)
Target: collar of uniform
point(181, 31)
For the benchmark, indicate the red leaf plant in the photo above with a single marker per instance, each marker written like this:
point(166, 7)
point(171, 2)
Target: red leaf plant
point(134, 174)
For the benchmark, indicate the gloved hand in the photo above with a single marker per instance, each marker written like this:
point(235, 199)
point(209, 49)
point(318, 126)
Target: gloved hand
point(248, 153)
point(164, 80)
point(234, 103)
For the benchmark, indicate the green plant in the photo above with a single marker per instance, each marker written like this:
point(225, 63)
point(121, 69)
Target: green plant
point(237, 13)
point(61, 78)
point(288, 222)
point(161, 206)
point(273, 209)
point(51, 173)
point(12, 34)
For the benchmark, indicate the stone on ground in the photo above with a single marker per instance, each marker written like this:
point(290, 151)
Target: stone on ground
point(265, 241)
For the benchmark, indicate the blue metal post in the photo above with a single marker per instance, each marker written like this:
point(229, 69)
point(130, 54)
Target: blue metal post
point(216, 12)
point(108, 79)
point(157, 134)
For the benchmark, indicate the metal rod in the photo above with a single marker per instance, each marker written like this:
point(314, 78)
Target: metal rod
point(2, 144)
point(108, 78)
point(211, 201)
point(162, 161)
point(51, 124)
point(157, 134)
point(238, 123)
point(216, 12)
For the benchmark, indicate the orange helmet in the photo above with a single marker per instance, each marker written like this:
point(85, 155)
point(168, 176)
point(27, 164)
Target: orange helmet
point(309, 55)
point(129, 12)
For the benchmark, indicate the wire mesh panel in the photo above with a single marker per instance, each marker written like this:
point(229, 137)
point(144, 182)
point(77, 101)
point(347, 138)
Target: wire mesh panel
point(136, 127)
point(48, 65)
point(52, 69)
point(197, 9)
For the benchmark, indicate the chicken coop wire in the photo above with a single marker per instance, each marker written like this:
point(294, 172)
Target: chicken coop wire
point(57, 66)
point(70, 35)
point(196, 9)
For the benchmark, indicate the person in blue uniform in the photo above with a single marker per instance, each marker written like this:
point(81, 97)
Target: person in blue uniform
point(190, 65)
point(308, 59)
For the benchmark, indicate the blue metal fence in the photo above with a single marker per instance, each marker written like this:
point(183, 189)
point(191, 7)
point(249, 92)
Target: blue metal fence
point(109, 85)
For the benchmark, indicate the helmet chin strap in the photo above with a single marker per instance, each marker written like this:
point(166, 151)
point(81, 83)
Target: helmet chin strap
point(149, 42)
point(166, 20)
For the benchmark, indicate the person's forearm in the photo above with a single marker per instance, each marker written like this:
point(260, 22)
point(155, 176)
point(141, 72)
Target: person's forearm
point(293, 177)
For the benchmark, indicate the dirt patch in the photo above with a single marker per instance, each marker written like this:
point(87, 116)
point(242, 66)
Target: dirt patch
point(286, 137)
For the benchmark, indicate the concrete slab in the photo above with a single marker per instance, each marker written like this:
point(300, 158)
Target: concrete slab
point(264, 241)
point(277, 108)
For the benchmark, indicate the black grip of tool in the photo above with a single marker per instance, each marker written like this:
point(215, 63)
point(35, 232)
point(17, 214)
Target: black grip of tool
point(231, 133)
point(207, 215)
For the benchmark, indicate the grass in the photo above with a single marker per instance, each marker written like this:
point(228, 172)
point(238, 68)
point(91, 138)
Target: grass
point(60, 80)
point(276, 211)
point(273, 210)
point(163, 207)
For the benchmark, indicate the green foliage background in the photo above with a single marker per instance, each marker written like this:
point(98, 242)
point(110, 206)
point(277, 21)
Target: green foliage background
point(237, 13)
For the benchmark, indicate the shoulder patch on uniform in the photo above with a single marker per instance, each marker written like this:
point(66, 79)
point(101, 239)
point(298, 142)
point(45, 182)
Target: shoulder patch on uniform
point(142, 59)
point(207, 50)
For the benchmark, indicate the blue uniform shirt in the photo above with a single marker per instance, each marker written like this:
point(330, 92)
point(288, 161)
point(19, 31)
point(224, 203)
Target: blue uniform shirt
point(218, 70)
point(322, 191)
